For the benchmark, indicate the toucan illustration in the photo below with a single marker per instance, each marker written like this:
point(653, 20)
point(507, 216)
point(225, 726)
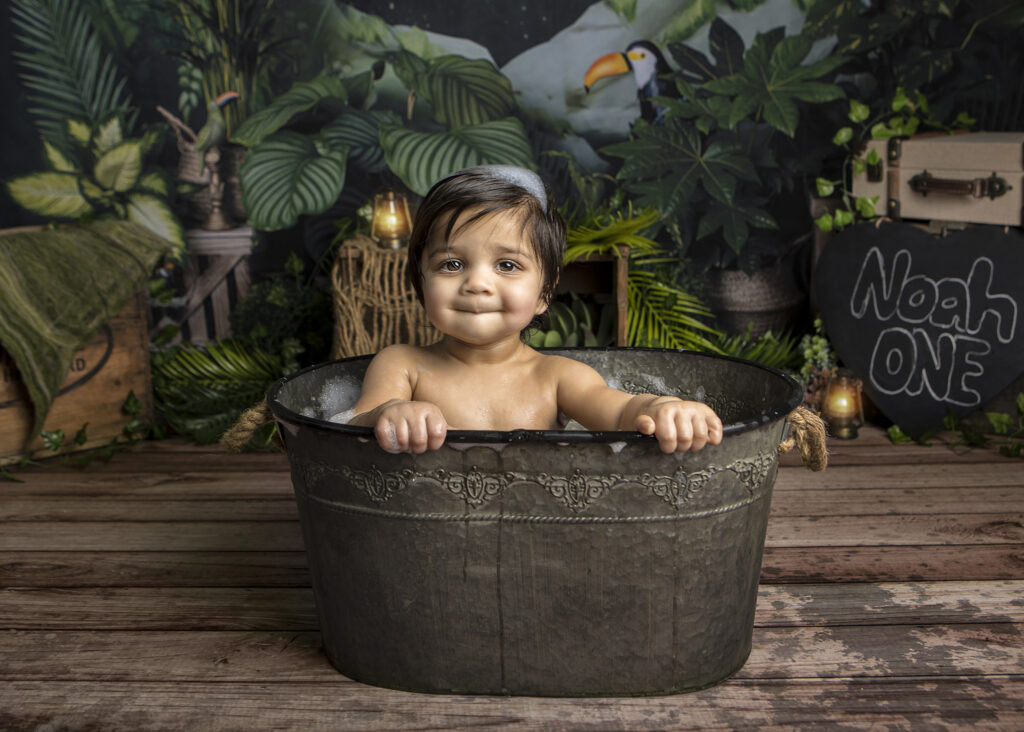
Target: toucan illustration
point(648, 65)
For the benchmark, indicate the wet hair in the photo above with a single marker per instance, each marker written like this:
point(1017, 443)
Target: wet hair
point(486, 190)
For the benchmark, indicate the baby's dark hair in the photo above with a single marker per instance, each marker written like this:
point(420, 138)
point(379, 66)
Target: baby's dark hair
point(485, 190)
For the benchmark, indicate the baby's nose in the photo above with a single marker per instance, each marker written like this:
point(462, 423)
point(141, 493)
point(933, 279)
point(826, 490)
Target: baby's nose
point(477, 281)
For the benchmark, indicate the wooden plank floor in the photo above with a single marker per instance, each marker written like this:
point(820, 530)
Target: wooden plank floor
point(168, 589)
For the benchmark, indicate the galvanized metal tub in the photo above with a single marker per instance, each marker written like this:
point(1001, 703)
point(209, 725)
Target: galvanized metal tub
point(561, 563)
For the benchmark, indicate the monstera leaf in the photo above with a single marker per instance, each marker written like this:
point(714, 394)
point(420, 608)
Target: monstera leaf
point(301, 97)
point(461, 91)
point(773, 79)
point(289, 174)
point(360, 131)
point(421, 158)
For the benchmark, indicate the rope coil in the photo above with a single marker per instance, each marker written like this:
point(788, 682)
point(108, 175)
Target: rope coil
point(252, 419)
point(806, 433)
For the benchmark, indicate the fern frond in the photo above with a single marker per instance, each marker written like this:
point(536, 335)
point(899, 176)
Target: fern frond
point(779, 352)
point(606, 233)
point(664, 316)
point(66, 65)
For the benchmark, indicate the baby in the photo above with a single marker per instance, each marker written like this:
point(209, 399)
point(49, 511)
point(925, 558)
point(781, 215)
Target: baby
point(484, 256)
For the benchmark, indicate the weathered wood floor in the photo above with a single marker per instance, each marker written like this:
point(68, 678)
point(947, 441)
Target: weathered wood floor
point(168, 590)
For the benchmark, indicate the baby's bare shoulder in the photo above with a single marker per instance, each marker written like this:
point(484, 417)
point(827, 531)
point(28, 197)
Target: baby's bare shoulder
point(562, 367)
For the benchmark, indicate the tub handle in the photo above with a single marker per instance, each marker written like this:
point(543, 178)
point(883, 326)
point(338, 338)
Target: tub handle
point(236, 438)
point(806, 433)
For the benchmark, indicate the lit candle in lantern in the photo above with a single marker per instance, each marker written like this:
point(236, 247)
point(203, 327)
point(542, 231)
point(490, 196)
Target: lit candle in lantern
point(391, 222)
point(842, 408)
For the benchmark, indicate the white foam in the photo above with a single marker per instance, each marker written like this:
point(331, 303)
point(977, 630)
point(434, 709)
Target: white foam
point(617, 447)
point(337, 396)
point(342, 417)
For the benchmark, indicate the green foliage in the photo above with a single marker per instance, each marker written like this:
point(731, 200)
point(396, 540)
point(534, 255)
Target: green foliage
point(573, 324)
point(202, 390)
point(662, 315)
point(65, 65)
point(97, 171)
point(775, 351)
point(1008, 430)
point(304, 141)
point(726, 166)
point(607, 233)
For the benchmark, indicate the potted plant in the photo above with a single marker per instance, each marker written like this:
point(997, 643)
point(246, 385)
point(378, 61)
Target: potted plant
point(729, 168)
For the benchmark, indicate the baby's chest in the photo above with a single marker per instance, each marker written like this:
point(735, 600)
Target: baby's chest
point(491, 402)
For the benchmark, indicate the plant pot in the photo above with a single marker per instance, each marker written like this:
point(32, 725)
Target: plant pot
point(234, 156)
point(770, 299)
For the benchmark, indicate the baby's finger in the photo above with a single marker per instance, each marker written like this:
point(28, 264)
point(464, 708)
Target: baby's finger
point(669, 433)
point(402, 435)
point(699, 431)
point(715, 430)
point(418, 434)
point(644, 425)
point(437, 430)
point(387, 435)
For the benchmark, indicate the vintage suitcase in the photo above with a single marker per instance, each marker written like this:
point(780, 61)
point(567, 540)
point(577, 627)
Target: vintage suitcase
point(973, 178)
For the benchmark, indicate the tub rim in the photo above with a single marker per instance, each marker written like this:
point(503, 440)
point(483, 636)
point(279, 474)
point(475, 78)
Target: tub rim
point(283, 412)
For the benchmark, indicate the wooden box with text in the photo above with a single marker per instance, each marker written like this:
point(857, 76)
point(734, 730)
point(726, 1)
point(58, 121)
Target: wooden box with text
point(103, 373)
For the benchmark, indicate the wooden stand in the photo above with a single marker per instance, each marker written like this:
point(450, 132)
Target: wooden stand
point(603, 273)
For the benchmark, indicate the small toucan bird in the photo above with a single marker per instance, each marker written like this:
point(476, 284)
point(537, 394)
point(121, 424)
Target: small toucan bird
point(214, 132)
point(647, 64)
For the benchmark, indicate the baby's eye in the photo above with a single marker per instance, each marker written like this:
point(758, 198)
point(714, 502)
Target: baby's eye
point(450, 265)
point(507, 265)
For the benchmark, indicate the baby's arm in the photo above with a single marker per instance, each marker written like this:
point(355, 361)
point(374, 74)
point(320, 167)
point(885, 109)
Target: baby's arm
point(400, 424)
point(678, 425)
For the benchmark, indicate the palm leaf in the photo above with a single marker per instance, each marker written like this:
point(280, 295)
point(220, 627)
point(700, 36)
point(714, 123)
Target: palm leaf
point(663, 316)
point(779, 352)
point(606, 233)
point(66, 66)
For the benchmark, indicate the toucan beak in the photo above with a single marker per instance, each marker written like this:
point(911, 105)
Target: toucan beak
point(611, 64)
point(228, 96)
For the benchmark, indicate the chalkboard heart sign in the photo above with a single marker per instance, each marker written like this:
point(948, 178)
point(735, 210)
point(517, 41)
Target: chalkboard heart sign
point(930, 324)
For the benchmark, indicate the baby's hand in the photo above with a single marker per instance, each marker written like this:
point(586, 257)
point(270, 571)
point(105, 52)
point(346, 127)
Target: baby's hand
point(680, 425)
point(410, 426)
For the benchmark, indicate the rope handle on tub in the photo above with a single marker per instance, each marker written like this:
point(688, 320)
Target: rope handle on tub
point(252, 419)
point(807, 433)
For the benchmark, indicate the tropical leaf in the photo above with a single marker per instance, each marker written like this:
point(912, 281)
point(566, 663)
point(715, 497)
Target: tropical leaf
point(607, 233)
point(421, 158)
point(301, 97)
point(663, 316)
point(665, 163)
point(155, 182)
point(49, 194)
point(119, 168)
point(360, 131)
point(464, 91)
point(624, 8)
point(79, 132)
point(65, 65)
point(108, 135)
point(687, 21)
point(773, 80)
point(155, 214)
point(778, 352)
point(288, 175)
point(57, 159)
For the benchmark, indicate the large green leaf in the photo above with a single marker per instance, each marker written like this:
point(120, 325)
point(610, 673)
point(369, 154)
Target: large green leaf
point(421, 158)
point(108, 135)
point(360, 131)
point(49, 194)
point(773, 79)
point(119, 168)
point(57, 159)
point(154, 214)
point(665, 163)
point(301, 97)
point(465, 91)
point(289, 174)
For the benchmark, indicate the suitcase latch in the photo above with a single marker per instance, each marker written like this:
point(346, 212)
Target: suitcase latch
point(992, 187)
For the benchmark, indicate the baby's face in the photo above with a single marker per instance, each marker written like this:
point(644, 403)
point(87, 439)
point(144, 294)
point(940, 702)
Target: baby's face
point(485, 284)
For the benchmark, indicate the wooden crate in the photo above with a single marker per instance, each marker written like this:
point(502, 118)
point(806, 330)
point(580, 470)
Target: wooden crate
point(103, 373)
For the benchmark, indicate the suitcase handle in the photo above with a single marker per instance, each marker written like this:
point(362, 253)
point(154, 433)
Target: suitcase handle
point(925, 183)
